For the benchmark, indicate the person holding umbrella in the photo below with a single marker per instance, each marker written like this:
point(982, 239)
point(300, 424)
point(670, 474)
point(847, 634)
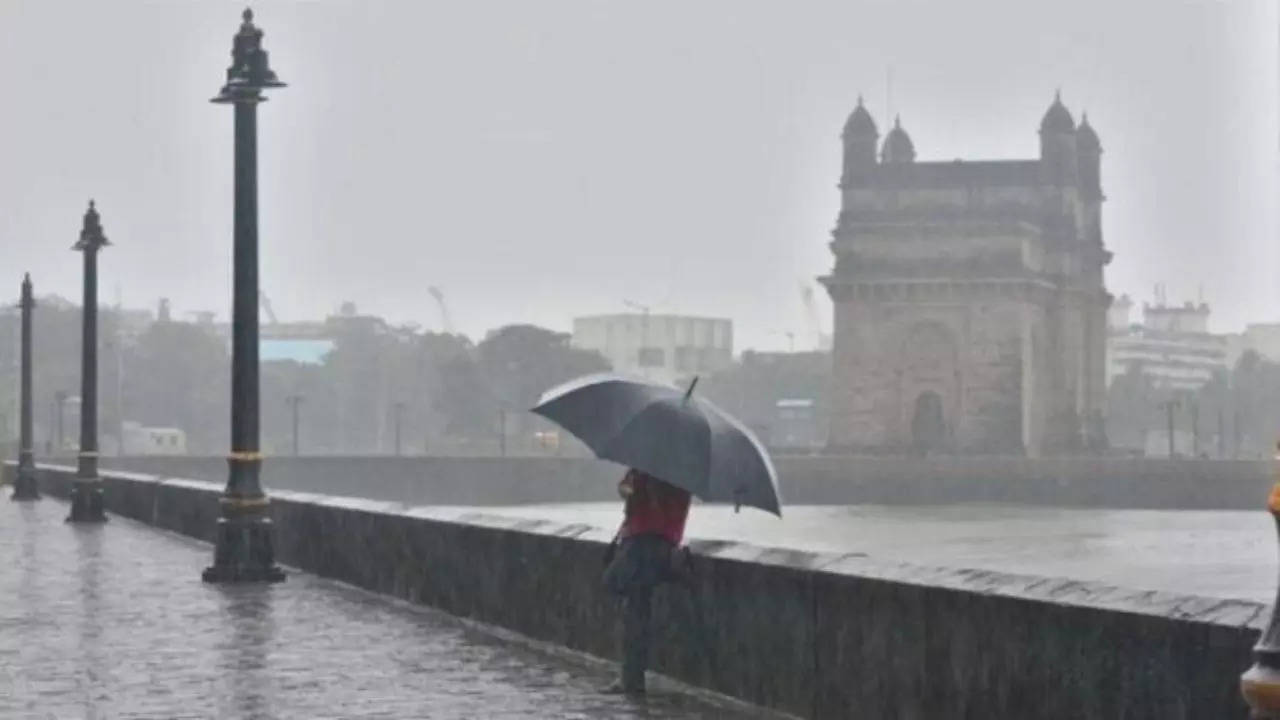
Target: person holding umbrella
point(676, 445)
point(654, 516)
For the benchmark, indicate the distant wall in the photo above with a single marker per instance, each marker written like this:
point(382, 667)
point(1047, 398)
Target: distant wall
point(817, 635)
point(413, 480)
point(1065, 482)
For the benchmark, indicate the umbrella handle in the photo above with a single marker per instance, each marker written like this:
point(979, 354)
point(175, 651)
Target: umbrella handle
point(737, 500)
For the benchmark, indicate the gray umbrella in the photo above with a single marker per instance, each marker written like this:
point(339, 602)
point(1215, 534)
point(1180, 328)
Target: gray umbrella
point(668, 433)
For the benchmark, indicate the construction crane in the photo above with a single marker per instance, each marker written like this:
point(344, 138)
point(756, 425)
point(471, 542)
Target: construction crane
point(446, 322)
point(265, 303)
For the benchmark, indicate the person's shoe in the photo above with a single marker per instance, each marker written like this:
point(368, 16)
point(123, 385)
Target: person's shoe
point(617, 688)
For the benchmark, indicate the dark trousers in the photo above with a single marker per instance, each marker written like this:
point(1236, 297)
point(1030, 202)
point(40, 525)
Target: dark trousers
point(640, 564)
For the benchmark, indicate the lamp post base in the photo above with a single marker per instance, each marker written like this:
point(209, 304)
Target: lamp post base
point(1261, 689)
point(25, 486)
point(244, 552)
point(86, 501)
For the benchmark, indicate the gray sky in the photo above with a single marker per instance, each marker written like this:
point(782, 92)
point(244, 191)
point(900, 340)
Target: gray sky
point(541, 160)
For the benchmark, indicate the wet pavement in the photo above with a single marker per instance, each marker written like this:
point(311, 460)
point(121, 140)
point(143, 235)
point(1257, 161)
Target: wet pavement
point(113, 622)
point(1229, 554)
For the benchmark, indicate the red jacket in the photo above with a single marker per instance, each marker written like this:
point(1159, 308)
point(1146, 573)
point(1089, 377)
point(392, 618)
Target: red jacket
point(654, 507)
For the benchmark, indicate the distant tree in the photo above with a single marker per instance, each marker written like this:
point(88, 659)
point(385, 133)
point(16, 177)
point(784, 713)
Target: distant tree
point(317, 428)
point(56, 368)
point(520, 362)
point(465, 399)
point(358, 370)
point(1131, 408)
point(1211, 413)
point(1255, 394)
point(490, 388)
point(178, 375)
point(427, 383)
point(55, 362)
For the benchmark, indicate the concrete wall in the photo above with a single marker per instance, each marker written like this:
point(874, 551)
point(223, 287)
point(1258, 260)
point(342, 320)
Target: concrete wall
point(1066, 482)
point(817, 635)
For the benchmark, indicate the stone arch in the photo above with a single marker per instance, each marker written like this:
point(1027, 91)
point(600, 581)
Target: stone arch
point(928, 426)
point(928, 365)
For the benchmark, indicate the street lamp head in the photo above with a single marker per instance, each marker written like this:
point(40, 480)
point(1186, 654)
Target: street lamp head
point(91, 237)
point(250, 72)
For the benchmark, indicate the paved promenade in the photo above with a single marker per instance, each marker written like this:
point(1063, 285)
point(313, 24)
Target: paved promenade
point(113, 622)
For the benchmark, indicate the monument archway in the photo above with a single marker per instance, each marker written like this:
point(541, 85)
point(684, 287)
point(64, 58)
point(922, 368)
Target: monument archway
point(929, 396)
point(928, 427)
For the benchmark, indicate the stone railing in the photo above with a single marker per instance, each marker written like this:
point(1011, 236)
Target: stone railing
point(815, 635)
point(821, 480)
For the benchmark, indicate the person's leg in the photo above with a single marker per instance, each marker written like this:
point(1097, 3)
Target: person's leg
point(636, 631)
point(620, 573)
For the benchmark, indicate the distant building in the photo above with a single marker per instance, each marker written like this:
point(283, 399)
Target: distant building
point(1262, 338)
point(784, 398)
point(349, 319)
point(796, 425)
point(305, 342)
point(970, 308)
point(1172, 345)
point(663, 348)
point(139, 440)
point(304, 351)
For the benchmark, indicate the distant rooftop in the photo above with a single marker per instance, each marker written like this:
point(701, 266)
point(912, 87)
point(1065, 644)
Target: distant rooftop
point(651, 317)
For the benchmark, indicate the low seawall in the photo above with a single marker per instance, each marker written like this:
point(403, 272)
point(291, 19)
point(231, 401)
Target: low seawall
point(816, 635)
point(1119, 483)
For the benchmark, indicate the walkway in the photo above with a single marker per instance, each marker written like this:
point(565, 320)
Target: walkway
point(113, 622)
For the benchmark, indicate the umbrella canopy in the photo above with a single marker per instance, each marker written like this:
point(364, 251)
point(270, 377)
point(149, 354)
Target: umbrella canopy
point(671, 434)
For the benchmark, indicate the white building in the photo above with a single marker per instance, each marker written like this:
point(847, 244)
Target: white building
point(139, 440)
point(1172, 345)
point(663, 348)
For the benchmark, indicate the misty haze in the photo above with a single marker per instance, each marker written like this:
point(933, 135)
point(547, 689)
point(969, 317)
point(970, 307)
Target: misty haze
point(615, 360)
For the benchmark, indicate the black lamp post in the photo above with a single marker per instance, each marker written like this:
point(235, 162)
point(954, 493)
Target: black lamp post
point(86, 491)
point(24, 483)
point(244, 551)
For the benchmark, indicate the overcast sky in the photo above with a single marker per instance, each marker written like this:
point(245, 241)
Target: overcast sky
point(540, 160)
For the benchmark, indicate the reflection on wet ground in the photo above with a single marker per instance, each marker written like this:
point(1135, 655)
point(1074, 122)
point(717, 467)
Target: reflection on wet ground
point(113, 622)
point(1227, 554)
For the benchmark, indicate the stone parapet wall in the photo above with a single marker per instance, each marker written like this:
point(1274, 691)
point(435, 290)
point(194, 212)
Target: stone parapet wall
point(825, 480)
point(816, 635)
